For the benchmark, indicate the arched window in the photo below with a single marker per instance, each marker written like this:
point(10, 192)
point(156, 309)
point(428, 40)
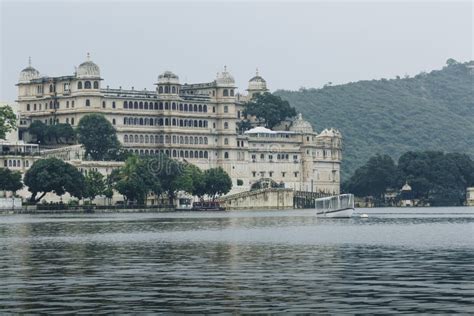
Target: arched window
point(206, 155)
point(167, 139)
point(157, 139)
point(196, 140)
point(113, 104)
point(147, 122)
point(195, 108)
point(226, 109)
point(125, 121)
point(167, 122)
point(125, 104)
point(161, 139)
point(174, 122)
point(27, 107)
point(87, 85)
point(181, 123)
point(186, 140)
point(136, 138)
point(79, 85)
point(88, 102)
point(156, 106)
point(200, 123)
point(160, 90)
point(191, 140)
point(135, 121)
point(146, 106)
point(113, 121)
point(226, 125)
point(160, 122)
point(226, 155)
point(103, 104)
point(51, 88)
point(225, 93)
point(190, 108)
point(72, 121)
point(231, 92)
point(167, 106)
point(186, 154)
point(125, 139)
point(201, 155)
point(196, 154)
point(204, 108)
point(173, 89)
point(200, 108)
point(167, 89)
point(185, 107)
point(205, 140)
point(141, 106)
point(96, 84)
point(173, 107)
point(161, 105)
point(174, 153)
point(181, 106)
point(200, 140)
point(191, 154)
point(226, 141)
point(141, 121)
point(195, 123)
point(175, 139)
point(141, 139)
point(147, 140)
point(205, 123)
point(67, 120)
point(135, 105)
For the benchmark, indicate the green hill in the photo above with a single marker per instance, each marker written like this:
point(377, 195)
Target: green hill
point(431, 111)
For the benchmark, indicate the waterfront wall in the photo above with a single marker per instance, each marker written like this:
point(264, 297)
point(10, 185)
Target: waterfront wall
point(270, 199)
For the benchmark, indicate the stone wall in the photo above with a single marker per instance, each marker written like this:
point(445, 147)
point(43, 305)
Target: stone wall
point(265, 199)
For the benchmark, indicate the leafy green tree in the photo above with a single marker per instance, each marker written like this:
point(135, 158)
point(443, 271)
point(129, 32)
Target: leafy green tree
point(8, 121)
point(10, 180)
point(191, 180)
point(136, 179)
point(53, 175)
point(98, 137)
point(217, 182)
point(269, 108)
point(94, 184)
point(374, 178)
point(39, 130)
point(61, 132)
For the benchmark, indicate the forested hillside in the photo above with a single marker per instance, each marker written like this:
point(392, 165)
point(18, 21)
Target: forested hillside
point(431, 111)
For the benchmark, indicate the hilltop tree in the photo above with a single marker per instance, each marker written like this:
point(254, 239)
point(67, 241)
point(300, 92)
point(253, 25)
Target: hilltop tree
point(8, 121)
point(269, 109)
point(98, 136)
point(53, 175)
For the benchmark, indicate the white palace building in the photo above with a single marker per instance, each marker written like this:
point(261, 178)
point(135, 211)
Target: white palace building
point(193, 122)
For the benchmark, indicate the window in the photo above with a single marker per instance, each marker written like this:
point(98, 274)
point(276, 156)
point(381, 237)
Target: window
point(113, 105)
point(72, 103)
point(270, 174)
point(87, 85)
point(125, 139)
point(254, 173)
point(240, 182)
point(113, 121)
point(96, 84)
point(79, 85)
point(231, 92)
point(72, 121)
point(27, 107)
point(226, 109)
point(88, 102)
point(225, 93)
point(160, 90)
point(226, 155)
point(296, 174)
point(103, 104)
point(283, 174)
point(226, 141)
point(226, 125)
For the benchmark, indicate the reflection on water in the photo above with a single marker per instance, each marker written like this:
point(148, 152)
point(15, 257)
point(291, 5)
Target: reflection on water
point(288, 261)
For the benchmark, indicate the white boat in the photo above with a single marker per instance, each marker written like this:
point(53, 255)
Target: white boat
point(338, 206)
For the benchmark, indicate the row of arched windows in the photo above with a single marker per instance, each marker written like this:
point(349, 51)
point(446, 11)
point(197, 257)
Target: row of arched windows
point(168, 89)
point(196, 154)
point(87, 85)
point(165, 139)
point(140, 105)
point(164, 122)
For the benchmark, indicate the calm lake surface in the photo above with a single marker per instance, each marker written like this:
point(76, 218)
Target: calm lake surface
point(397, 260)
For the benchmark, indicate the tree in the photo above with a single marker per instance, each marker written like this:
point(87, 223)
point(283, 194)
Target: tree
point(136, 179)
point(269, 108)
point(8, 121)
point(374, 178)
point(39, 130)
point(217, 182)
point(191, 180)
point(61, 131)
point(53, 175)
point(98, 137)
point(94, 184)
point(10, 180)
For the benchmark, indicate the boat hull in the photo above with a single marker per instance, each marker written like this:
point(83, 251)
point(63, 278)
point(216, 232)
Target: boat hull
point(340, 213)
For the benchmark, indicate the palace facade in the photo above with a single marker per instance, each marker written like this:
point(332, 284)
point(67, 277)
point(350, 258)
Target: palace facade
point(192, 122)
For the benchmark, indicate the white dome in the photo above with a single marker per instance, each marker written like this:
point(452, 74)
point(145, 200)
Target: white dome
point(88, 69)
point(406, 187)
point(29, 73)
point(168, 77)
point(301, 126)
point(330, 132)
point(257, 83)
point(225, 79)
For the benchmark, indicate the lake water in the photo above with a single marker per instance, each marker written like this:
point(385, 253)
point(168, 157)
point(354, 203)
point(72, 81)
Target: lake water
point(396, 260)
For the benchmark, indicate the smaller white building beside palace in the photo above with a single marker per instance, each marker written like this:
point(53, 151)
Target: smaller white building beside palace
point(196, 122)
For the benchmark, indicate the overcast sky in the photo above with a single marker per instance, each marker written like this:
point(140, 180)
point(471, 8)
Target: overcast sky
point(305, 44)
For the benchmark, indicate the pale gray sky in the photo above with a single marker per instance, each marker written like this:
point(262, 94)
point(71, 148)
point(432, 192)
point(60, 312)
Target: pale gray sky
point(293, 44)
